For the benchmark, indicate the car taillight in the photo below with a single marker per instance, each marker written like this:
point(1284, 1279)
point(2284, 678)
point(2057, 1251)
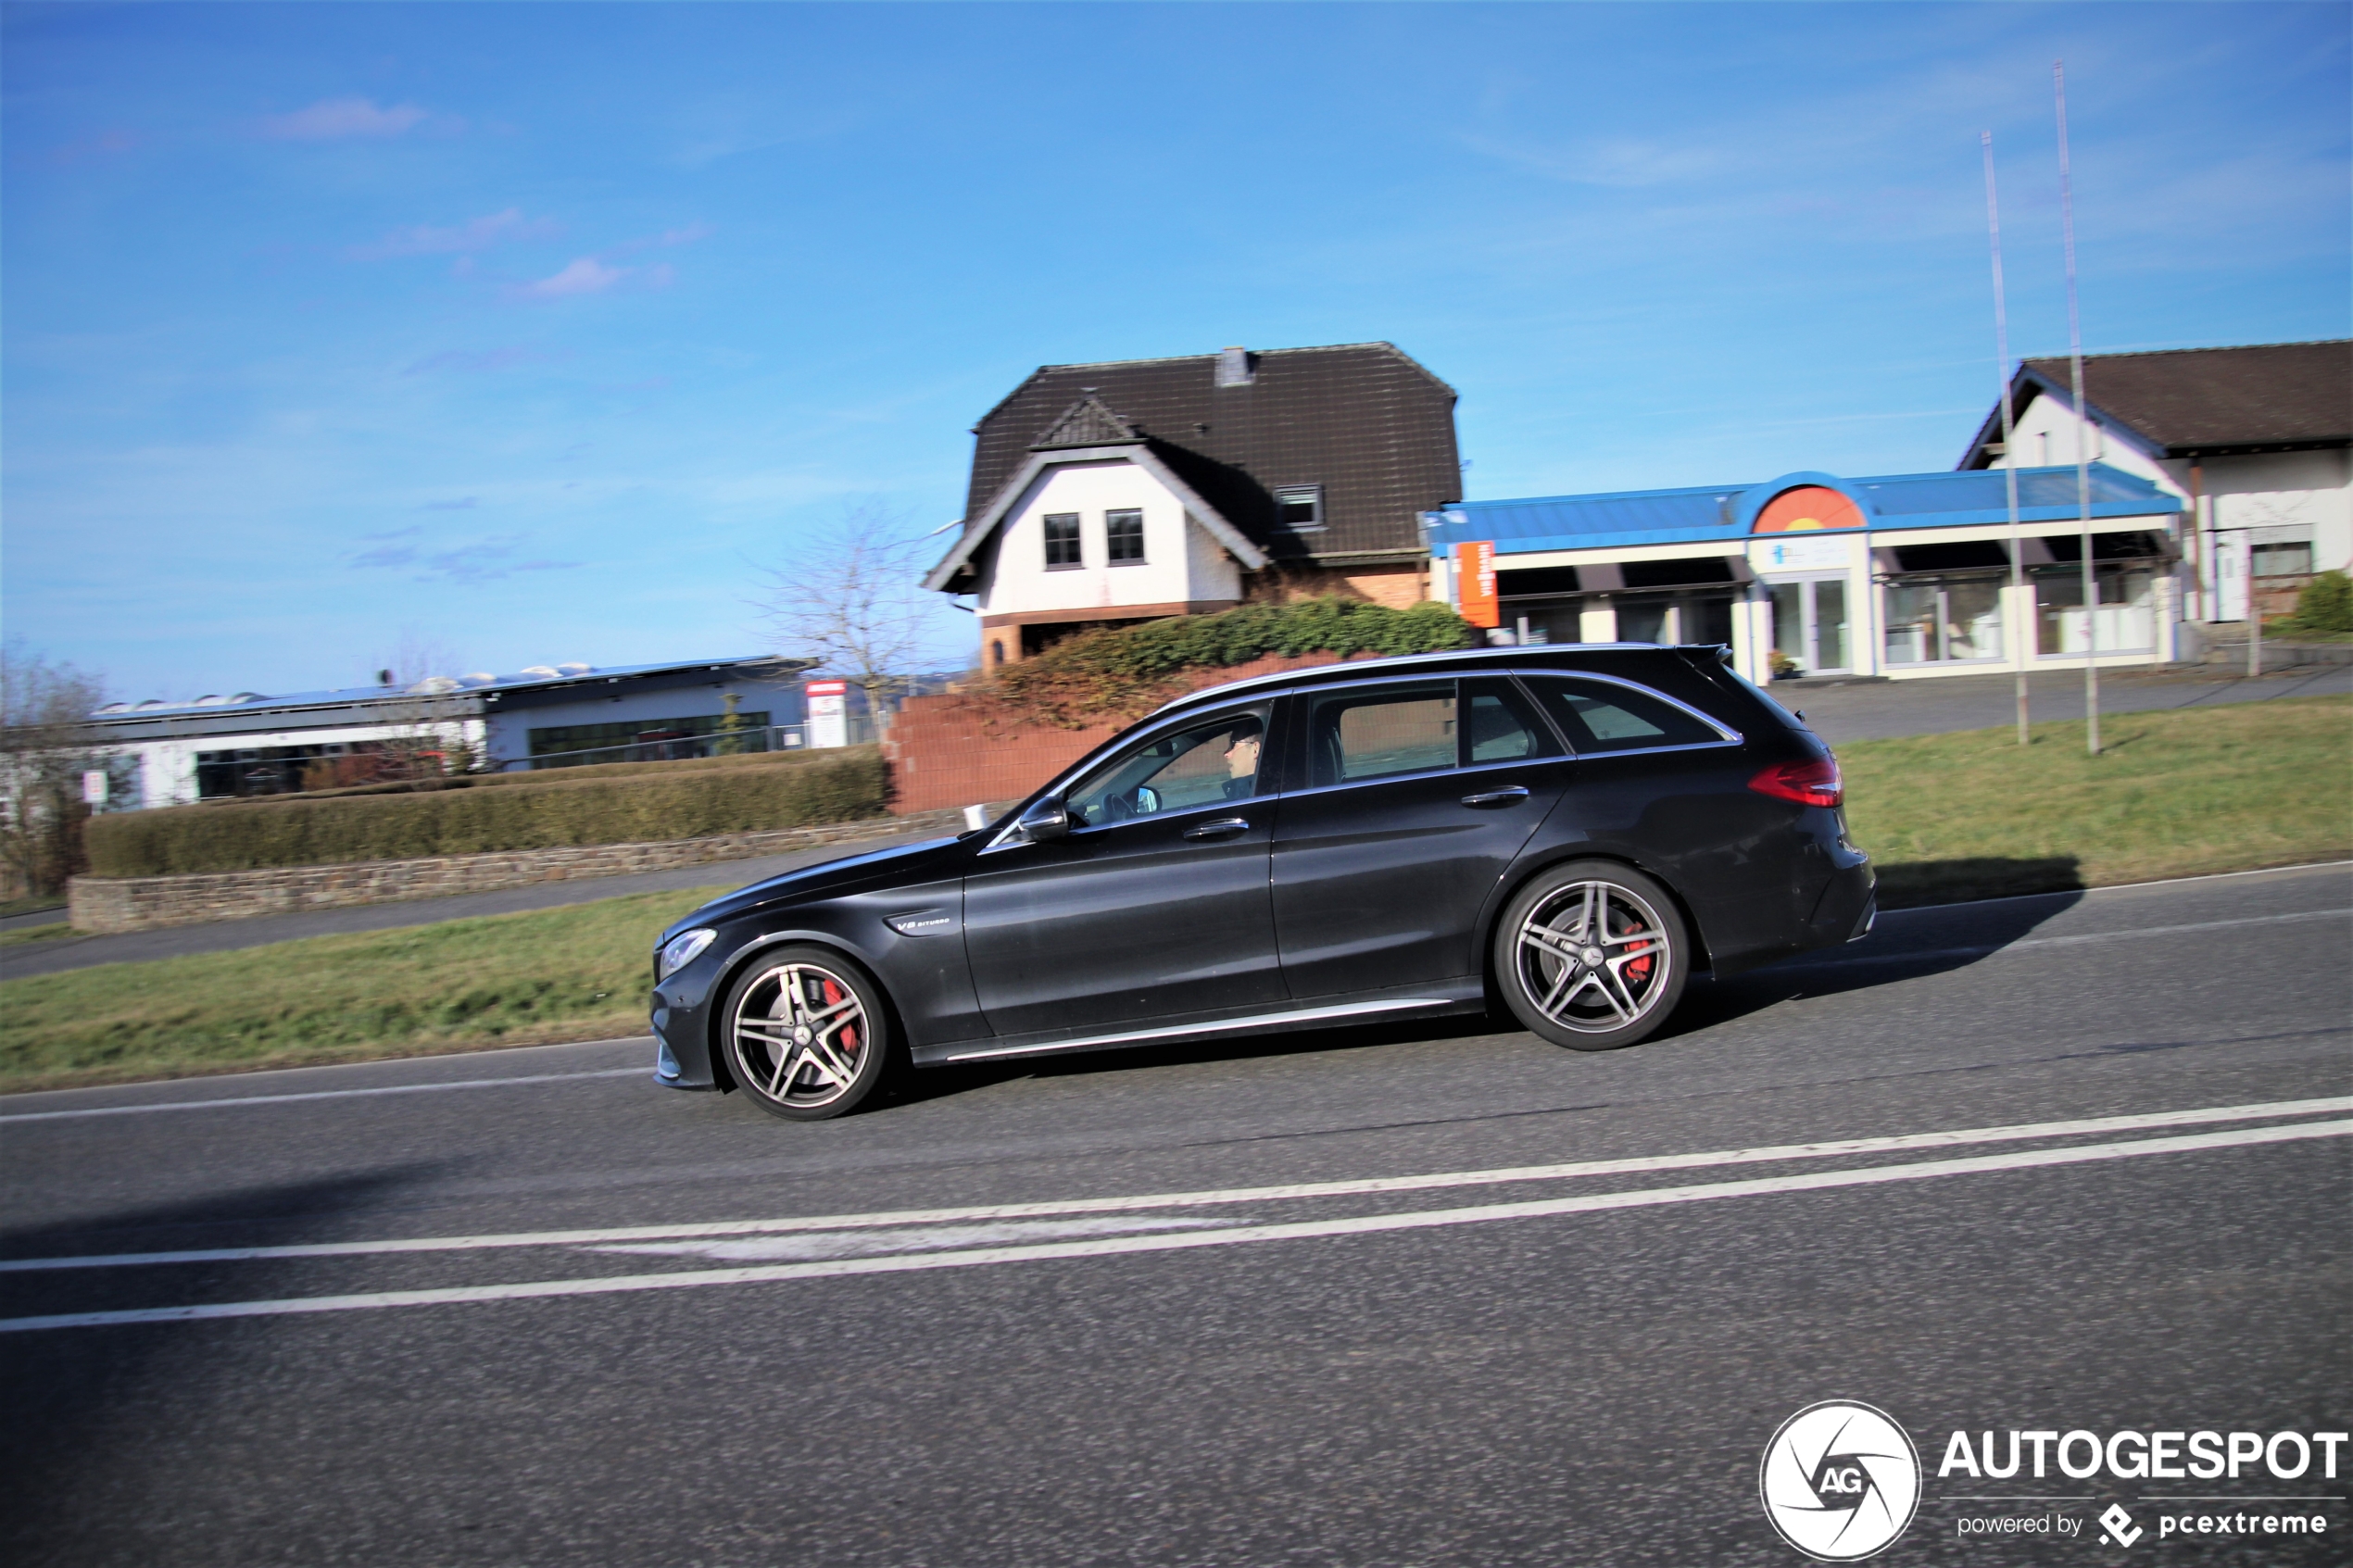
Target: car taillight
point(1808, 783)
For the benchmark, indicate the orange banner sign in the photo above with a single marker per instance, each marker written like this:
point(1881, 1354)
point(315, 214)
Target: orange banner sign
point(1475, 582)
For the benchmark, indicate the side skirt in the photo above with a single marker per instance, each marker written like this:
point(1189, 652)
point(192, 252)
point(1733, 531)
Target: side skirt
point(1447, 996)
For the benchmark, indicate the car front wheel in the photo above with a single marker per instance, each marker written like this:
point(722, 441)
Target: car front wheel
point(806, 1036)
point(1591, 955)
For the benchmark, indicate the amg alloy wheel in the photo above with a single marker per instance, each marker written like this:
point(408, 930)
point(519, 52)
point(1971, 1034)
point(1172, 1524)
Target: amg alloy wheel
point(805, 1033)
point(1591, 955)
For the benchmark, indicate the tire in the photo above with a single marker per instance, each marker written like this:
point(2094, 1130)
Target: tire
point(806, 1033)
point(1592, 996)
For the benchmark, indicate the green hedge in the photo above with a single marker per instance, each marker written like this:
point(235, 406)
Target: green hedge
point(1115, 673)
point(535, 811)
point(541, 775)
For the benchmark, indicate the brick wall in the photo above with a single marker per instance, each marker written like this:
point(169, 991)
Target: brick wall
point(967, 747)
point(113, 904)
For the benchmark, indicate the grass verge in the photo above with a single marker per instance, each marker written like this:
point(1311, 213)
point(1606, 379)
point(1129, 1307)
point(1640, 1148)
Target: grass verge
point(1947, 817)
point(2179, 793)
point(574, 973)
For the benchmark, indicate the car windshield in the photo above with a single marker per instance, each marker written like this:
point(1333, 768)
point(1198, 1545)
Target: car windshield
point(1200, 765)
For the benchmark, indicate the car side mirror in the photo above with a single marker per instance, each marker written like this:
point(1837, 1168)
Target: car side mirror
point(1047, 820)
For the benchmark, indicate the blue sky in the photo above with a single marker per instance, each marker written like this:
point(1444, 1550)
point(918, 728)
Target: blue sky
point(532, 331)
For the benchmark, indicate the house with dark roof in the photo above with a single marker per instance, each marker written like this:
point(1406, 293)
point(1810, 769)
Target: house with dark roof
point(1112, 494)
point(2256, 440)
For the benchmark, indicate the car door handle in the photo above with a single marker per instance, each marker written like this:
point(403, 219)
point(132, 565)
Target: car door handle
point(1506, 796)
point(1217, 828)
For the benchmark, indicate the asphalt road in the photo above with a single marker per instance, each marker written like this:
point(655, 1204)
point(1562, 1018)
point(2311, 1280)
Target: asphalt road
point(1511, 1367)
point(1839, 711)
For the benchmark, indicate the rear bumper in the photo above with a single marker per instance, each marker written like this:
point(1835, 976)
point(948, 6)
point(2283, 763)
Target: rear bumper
point(1848, 907)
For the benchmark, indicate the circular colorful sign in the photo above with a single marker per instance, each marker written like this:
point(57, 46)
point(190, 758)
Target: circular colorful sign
point(1807, 508)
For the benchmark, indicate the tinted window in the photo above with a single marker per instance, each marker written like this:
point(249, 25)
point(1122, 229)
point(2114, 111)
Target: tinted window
point(1500, 726)
point(1374, 734)
point(1599, 717)
point(1216, 759)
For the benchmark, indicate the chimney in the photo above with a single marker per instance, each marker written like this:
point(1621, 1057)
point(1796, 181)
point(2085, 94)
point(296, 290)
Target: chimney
point(1234, 367)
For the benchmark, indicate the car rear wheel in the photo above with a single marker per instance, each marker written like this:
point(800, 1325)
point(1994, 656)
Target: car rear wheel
point(806, 1034)
point(1591, 955)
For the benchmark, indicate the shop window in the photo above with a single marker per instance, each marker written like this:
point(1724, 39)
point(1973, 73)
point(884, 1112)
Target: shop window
point(1684, 618)
point(1944, 619)
point(2123, 622)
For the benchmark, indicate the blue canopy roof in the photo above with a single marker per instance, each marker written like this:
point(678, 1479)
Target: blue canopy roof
point(1971, 498)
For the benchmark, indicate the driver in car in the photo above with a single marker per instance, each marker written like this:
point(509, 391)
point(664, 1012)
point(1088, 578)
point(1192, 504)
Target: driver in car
point(1242, 765)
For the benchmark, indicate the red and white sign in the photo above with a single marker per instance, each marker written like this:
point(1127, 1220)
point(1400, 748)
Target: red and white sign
point(827, 688)
point(1475, 582)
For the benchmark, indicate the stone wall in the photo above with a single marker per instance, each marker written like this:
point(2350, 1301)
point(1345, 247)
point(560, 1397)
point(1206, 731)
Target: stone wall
point(114, 904)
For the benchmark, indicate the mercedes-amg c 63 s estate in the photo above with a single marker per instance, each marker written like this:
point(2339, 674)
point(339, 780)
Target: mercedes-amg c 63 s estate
point(1567, 834)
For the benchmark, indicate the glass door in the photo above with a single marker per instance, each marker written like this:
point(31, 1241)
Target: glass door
point(1810, 634)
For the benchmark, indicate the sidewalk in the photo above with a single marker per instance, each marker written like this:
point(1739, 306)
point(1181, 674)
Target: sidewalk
point(1839, 712)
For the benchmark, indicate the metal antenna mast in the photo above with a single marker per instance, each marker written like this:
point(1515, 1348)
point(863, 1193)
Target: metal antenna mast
point(2024, 628)
point(2082, 427)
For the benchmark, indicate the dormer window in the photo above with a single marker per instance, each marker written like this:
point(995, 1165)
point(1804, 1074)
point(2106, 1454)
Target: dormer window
point(1299, 508)
point(1061, 541)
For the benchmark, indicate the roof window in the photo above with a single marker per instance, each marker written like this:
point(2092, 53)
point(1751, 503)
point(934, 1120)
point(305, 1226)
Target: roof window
point(1299, 508)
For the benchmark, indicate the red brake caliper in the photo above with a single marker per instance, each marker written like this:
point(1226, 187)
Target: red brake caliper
point(1638, 970)
point(848, 1036)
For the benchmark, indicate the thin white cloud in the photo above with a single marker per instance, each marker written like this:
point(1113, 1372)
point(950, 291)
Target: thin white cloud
point(474, 234)
point(1619, 161)
point(331, 120)
point(467, 359)
point(583, 275)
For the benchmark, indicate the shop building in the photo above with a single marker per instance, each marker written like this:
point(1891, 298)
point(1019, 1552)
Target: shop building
point(1902, 575)
point(549, 716)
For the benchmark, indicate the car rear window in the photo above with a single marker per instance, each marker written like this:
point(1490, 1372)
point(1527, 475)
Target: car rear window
point(1599, 716)
point(1356, 735)
point(1500, 726)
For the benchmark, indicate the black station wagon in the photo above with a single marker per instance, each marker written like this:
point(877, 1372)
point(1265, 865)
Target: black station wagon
point(1565, 833)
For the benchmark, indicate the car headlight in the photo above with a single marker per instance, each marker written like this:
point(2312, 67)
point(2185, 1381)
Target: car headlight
point(680, 951)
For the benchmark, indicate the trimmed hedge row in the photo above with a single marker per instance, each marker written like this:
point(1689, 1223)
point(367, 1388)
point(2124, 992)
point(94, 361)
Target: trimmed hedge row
point(1118, 672)
point(542, 775)
point(547, 812)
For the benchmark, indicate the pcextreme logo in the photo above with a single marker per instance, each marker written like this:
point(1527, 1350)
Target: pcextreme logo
point(1840, 1481)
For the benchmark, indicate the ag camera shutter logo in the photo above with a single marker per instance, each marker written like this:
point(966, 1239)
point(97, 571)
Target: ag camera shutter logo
point(1840, 1481)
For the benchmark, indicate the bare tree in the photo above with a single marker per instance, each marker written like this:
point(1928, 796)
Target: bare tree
point(47, 745)
point(851, 599)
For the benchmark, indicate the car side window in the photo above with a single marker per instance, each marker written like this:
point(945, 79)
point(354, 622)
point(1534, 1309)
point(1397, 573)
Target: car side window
point(1500, 726)
point(1200, 765)
point(1596, 716)
point(1374, 734)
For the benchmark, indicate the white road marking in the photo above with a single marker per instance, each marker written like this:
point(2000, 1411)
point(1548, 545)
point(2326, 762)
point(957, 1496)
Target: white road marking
point(2332, 1105)
point(324, 1094)
point(916, 1239)
point(1238, 1235)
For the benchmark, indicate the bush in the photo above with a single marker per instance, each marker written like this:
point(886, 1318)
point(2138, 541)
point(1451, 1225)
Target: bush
point(1119, 672)
point(2324, 609)
point(544, 810)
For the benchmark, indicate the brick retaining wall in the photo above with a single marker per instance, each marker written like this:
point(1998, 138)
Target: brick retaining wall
point(115, 903)
point(967, 746)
